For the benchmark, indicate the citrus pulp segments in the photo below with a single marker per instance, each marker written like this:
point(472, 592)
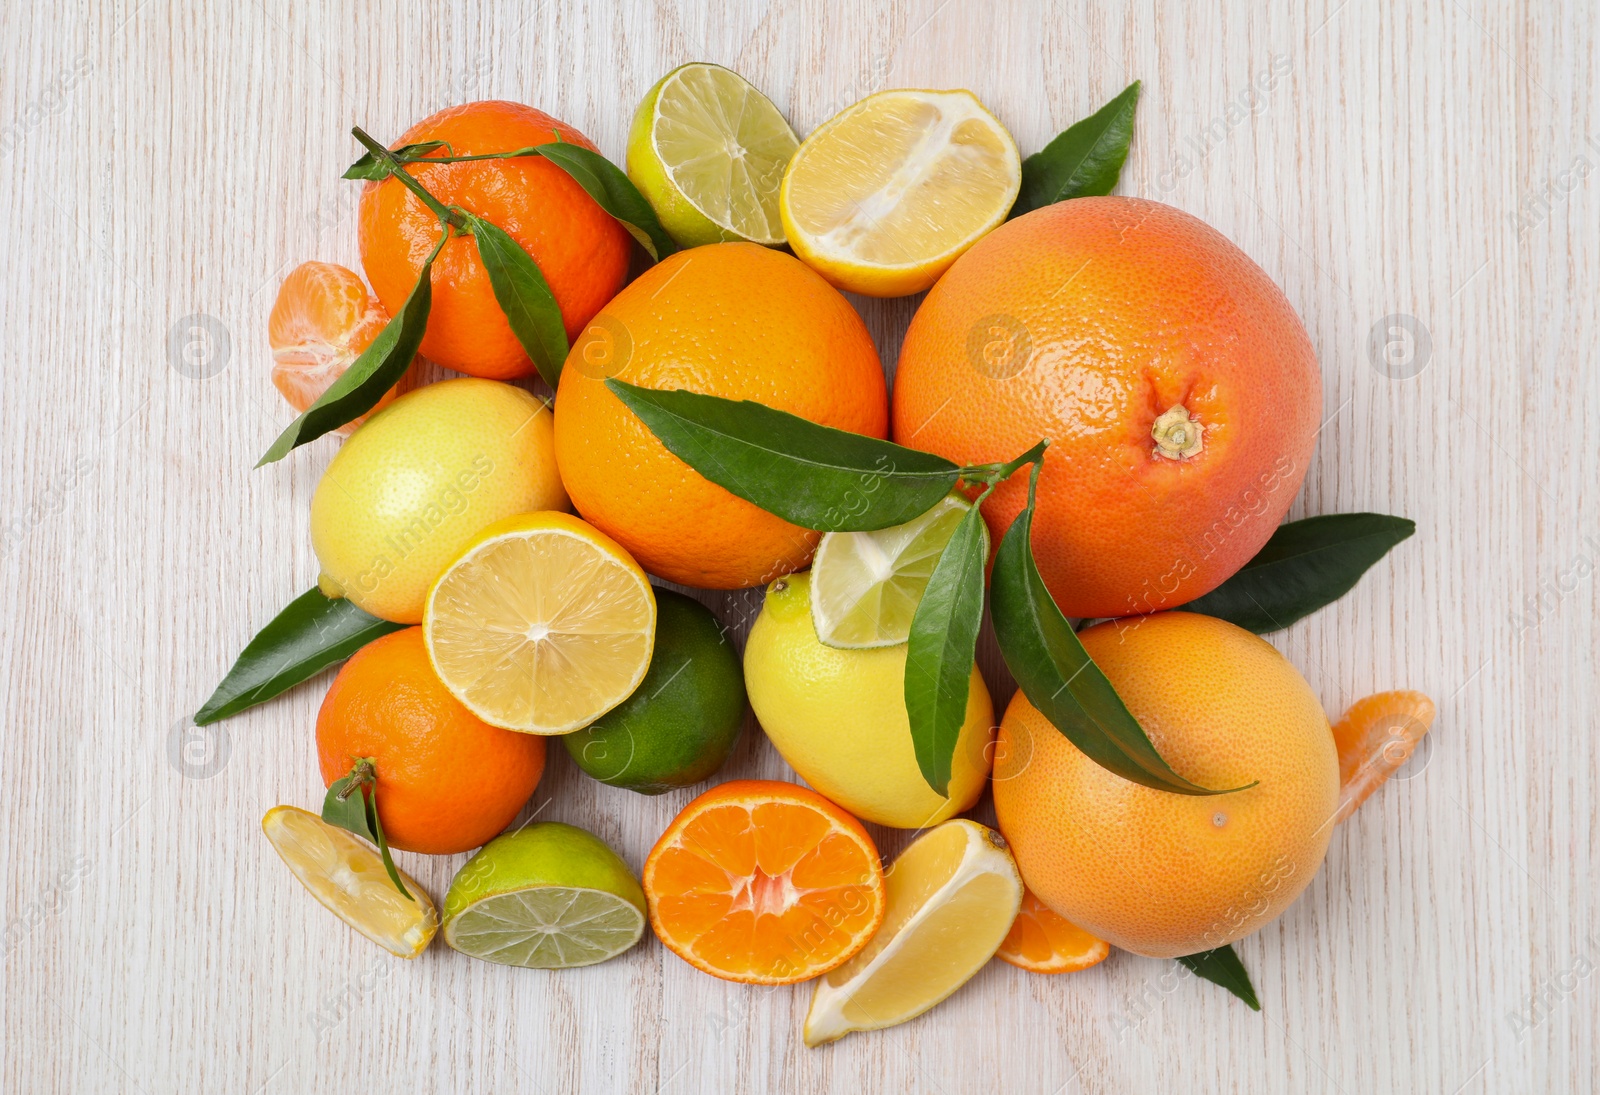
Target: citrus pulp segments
point(546, 927)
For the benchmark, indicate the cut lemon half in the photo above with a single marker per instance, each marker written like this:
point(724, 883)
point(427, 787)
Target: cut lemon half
point(347, 875)
point(549, 896)
point(542, 624)
point(1042, 941)
point(708, 150)
point(952, 896)
point(865, 586)
point(886, 194)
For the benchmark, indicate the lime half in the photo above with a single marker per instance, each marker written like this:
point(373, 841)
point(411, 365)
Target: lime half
point(865, 586)
point(708, 151)
point(550, 896)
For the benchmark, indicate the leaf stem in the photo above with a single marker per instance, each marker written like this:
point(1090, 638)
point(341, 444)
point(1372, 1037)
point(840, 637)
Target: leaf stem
point(396, 167)
point(995, 474)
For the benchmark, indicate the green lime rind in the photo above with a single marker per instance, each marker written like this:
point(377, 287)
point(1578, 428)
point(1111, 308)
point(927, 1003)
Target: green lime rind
point(682, 721)
point(549, 896)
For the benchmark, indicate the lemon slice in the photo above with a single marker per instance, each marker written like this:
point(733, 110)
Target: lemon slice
point(865, 586)
point(952, 896)
point(886, 194)
point(708, 150)
point(542, 624)
point(550, 896)
point(347, 875)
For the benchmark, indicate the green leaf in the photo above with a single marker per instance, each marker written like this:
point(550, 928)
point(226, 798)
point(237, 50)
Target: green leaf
point(615, 193)
point(1083, 160)
point(814, 476)
point(374, 169)
point(352, 803)
point(939, 650)
point(1222, 967)
point(524, 297)
point(1056, 673)
point(312, 633)
point(1304, 566)
point(378, 369)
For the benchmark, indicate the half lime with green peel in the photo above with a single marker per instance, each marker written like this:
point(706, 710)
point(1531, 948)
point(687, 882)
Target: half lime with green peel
point(708, 152)
point(865, 586)
point(681, 722)
point(549, 896)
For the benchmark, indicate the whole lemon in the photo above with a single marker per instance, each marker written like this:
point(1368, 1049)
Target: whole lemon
point(408, 490)
point(1163, 874)
point(839, 717)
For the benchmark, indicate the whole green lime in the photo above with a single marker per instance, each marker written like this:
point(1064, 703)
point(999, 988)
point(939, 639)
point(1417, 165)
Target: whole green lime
point(681, 722)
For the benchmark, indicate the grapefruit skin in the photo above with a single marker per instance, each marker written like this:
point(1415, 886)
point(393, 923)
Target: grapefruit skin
point(1164, 874)
point(1084, 322)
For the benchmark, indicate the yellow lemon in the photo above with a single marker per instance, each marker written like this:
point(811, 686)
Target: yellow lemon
point(839, 717)
point(419, 479)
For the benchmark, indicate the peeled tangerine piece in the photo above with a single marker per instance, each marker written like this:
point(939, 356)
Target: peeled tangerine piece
point(1375, 738)
point(347, 875)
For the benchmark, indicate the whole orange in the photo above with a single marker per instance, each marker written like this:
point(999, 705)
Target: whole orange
point(1163, 874)
point(734, 320)
point(447, 781)
point(1176, 384)
point(582, 252)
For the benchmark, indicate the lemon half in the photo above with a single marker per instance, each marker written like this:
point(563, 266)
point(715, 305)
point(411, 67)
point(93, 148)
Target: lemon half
point(886, 194)
point(542, 624)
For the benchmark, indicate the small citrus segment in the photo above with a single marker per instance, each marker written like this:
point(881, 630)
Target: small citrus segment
point(549, 896)
point(885, 195)
point(1375, 738)
point(708, 151)
point(1042, 941)
point(764, 882)
point(542, 624)
point(952, 896)
point(321, 321)
point(865, 586)
point(347, 876)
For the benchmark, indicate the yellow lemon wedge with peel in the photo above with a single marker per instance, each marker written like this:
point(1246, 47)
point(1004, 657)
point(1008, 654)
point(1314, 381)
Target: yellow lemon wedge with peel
point(346, 874)
point(542, 624)
point(886, 194)
point(952, 896)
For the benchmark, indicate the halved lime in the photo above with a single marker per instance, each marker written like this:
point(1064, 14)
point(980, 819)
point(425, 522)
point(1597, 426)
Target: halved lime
point(708, 151)
point(550, 896)
point(865, 586)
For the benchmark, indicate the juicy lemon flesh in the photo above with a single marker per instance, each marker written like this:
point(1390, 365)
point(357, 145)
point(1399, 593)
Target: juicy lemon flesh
point(903, 179)
point(725, 147)
point(541, 632)
point(546, 927)
point(347, 876)
point(951, 898)
point(865, 586)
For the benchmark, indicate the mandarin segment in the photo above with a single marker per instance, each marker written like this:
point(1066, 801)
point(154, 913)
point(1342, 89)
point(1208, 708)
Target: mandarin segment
point(1043, 941)
point(1375, 739)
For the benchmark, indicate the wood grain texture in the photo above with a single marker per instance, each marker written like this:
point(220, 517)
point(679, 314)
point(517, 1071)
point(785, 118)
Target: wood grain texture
point(1434, 159)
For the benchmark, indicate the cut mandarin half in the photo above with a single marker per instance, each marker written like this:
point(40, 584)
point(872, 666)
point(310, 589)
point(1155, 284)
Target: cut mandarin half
point(542, 624)
point(347, 876)
point(764, 882)
point(886, 194)
point(321, 322)
point(1375, 739)
point(1041, 941)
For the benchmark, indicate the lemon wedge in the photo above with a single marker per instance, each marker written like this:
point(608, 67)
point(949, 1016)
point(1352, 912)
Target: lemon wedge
point(885, 195)
point(952, 897)
point(865, 586)
point(347, 875)
point(708, 150)
point(542, 624)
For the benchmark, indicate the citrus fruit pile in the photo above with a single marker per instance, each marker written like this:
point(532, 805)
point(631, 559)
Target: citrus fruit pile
point(493, 546)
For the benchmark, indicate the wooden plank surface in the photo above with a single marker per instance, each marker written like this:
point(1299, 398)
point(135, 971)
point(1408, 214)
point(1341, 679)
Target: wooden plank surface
point(159, 160)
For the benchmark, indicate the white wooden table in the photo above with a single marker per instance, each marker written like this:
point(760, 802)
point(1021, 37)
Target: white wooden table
point(162, 160)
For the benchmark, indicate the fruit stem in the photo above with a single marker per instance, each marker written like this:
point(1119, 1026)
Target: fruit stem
point(396, 171)
point(994, 474)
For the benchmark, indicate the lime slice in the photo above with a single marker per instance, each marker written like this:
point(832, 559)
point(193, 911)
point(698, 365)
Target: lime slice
point(542, 624)
point(347, 875)
point(708, 152)
point(550, 896)
point(865, 586)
